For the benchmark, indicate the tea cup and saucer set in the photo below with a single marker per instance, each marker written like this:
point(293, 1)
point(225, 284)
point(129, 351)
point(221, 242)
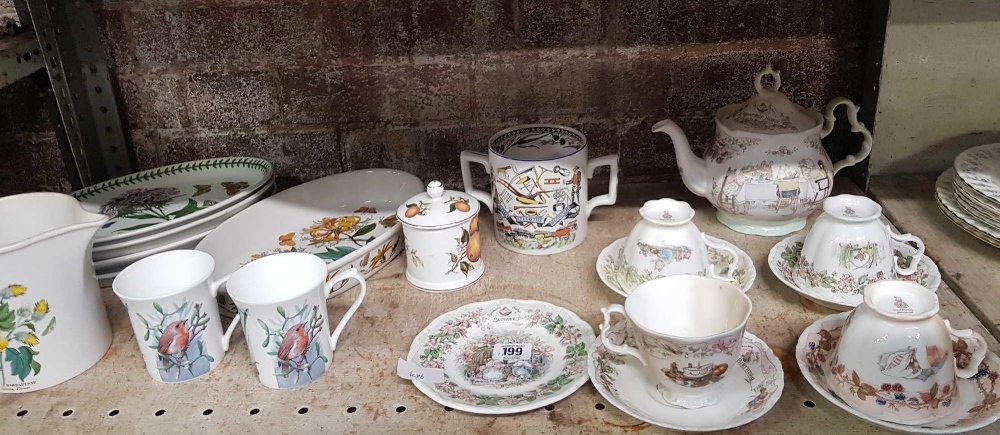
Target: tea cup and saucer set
point(847, 249)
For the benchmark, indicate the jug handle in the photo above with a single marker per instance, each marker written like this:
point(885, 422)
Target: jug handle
point(916, 257)
point(857, 127)
point(611, 161)
point(621, 349)
point(482, 159)
point(328, 288)
point(977, 345)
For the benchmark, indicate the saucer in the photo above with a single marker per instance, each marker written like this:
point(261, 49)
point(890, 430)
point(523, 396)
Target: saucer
point(612, 269)
point(785, 254)
point(461, 343)
point(745, 398)
point(977, 407)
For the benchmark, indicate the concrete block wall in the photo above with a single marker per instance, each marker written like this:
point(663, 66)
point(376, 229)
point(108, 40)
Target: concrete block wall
point(328, 86)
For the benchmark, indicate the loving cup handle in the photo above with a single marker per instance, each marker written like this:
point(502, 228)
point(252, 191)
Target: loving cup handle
point(611, 197)
point(977, 346)
point(916, 257)
point(733, 264)
point(621, 349)
point(328, 287)
point(857, 127)
point(481, 158)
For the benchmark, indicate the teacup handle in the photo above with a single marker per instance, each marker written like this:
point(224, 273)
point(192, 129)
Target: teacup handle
point(229, 331)
point(611, 161)
point(978, 345)
point(733, 264)
point(482, 159)
point(857, 127)
point(916, 257)
point(328, 287)
point(621, 349)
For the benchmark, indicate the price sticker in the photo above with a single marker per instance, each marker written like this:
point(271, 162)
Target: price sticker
point(408, 370)
point(512, 351)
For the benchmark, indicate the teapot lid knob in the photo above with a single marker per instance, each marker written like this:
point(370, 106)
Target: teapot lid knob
point(767, 71)
point(435, 189)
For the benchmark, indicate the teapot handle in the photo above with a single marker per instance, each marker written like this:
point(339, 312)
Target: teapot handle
point(857, 127)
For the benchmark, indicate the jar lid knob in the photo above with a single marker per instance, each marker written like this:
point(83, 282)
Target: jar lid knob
point(435, 189)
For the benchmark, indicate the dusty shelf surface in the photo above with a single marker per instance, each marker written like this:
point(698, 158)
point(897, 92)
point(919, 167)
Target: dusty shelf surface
point(360, 393)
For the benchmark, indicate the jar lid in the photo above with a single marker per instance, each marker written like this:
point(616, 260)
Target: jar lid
point(769, 111)
point(437, 207)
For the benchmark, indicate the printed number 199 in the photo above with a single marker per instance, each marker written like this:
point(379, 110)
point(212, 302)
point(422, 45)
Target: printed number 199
point(513, 351)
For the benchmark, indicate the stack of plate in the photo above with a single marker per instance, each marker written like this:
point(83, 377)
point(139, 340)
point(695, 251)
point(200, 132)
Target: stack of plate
point(969, 193)
point(170, 207)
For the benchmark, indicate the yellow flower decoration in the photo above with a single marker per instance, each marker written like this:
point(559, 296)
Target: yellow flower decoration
point(42, 307)
point(30, 339)
point(17, 290)
point(347, 223)
point(3, 343)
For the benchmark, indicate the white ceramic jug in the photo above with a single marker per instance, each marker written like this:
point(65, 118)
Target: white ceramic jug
point(53, 324)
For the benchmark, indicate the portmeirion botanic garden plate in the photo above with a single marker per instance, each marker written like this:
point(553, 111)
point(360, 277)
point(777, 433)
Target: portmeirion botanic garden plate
point(978, 397)
point(614, 271)
point(462, 343)
point(945, 195)
point(153, 200)
point(784, 258)
point(979, 167)
point(748, 393)
point(347, 219)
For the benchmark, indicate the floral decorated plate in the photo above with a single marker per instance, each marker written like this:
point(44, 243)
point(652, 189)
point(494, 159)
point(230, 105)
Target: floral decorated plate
point(462, 342)
point(979, 167)
point(614, 272)
point(784, 256)
point(153, 200)
point(749, 392)
point(978, 405)
point(945, 195)
point(120, 263)
point(348, 220)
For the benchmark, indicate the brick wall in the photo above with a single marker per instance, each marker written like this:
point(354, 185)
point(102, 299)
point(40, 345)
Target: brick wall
point(327, 86)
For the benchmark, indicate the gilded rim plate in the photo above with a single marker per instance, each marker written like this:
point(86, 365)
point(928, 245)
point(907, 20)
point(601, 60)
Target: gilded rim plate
point(461, 343)
point(620, 379)
point(613, 271)
point(978, 398)
point(784, 256)
point(150, 201)
point(979, 167)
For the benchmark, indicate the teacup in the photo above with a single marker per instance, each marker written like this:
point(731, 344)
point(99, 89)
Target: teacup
point(281, 303)
point(849, 248)
point(688, 338)
point(896, 359)
point(170, 300)
point(539, 194)
point(665, 242)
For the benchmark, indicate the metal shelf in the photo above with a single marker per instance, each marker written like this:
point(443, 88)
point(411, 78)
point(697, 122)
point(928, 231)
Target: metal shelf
point(19, 57)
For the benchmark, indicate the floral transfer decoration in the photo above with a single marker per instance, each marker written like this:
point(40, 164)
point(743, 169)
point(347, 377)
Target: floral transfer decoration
point(21, 329)
point(466, 340)
point(790, 264)
point(618, 273)
point(664, 255)
point(176, 335)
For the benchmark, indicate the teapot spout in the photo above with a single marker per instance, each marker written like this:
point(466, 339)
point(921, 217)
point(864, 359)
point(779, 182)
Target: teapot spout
point(694, 170)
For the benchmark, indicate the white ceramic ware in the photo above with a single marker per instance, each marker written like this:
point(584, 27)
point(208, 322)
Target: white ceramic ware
point(848, 248)
point(767, 170)
point(119, 263)
point(443, 246)
point(151, 201)
point(46, 274)
point(944, 189)
point(461, 343)
point(174, 315)
point(348, 220)
point(621, 380)
point(665, 242)
point(979, 167)
point(179, 232)
point(895, 358)
point(281, 301)
point(688, 332)
point(618, 275)
point(784, 257)
point(977, 405)
point(539, 188)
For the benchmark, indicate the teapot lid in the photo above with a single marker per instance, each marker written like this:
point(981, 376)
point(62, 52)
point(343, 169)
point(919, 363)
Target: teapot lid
point(437, 208)
point(768, 111)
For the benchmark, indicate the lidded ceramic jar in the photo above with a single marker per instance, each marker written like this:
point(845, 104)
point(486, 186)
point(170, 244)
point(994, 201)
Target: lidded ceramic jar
point(443, 245)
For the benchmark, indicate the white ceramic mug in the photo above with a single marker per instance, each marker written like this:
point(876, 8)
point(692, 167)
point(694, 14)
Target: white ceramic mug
point(665, 242)
point(170, 300)
point(281, 302)
point(898, 360)
point(848, 248)
point(539, 191)
point(689, 330)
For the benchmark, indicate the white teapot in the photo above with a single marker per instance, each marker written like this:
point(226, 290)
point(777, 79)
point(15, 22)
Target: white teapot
point(767, 170)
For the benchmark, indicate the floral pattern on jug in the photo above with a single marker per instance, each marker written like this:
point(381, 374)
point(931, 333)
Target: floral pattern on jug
point(291, 339)
point(176, 335)
point(20, 332)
